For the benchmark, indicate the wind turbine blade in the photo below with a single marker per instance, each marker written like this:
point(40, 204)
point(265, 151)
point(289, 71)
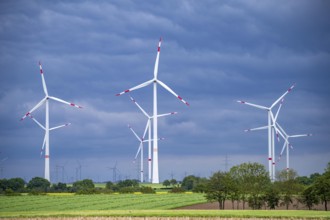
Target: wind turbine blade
point(61, 126)
point(282, 130)
point(136, 87)
point(258, 128)
point(34, 108)
point(253, 105)
point(300, 135)
point(43, 80)
point(134, 133)
point(65, 102)
point(138, 151)
point(157, 59)
point(137, 104)
point(282, 96)
point(171, 91)
point(43, 145)
point(36, 121)
point(278, 110)
point(166, 114)
point(145, 130)
point(283, 148)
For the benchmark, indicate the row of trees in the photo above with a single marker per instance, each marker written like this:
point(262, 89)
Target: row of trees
point(38, 185)
point(249, 183)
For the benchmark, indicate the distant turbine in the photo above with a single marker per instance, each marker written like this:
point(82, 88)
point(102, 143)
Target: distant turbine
point(155, 81)
point(140, 149)
point(148, 126)
point(46, 127)
point(271, 128)
point(287, 144)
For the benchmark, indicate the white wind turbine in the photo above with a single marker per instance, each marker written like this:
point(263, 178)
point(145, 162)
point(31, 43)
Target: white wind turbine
point(287, 144)
point(140, 149)
point(148, 126)
point(271, 128)
point(155, 81)
point(45, 101)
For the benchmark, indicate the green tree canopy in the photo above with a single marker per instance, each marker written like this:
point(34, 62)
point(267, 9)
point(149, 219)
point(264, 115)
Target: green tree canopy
point(218, 188)
point(38, 184)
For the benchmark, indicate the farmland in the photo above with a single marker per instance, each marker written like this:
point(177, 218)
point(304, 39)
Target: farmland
point(71, 202)
point(130, 205)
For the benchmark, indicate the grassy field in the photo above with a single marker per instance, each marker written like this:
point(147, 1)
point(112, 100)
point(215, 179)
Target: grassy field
point(71, 202)
point(130, 205)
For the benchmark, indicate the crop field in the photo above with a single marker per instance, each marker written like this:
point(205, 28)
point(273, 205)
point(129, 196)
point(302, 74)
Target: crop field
point(70, 206)
point(71, 202)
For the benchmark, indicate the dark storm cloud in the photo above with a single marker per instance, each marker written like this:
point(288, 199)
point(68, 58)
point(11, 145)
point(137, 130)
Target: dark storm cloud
point(213, 53)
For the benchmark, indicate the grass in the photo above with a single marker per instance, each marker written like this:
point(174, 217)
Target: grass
point(131, 205)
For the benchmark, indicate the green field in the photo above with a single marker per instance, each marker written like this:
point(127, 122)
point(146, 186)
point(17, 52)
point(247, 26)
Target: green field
point(71, 202)
point(130, 205)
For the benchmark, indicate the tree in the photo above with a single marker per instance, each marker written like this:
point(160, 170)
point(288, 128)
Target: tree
point(322, 188)
point(173, 182)
point(218, 188)
point(59, 187)
point(194, 183)
point(252, 181)
point(85, 186)
point(38, 184)
point(16, 184)
point(289, 186)
point(272, 196)
point(166, 183)
point(128, 183)
point(309, 197)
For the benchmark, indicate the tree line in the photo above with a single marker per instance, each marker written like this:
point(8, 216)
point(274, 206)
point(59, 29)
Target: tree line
point(245, 184)
point(41, 186)
point(249, 183)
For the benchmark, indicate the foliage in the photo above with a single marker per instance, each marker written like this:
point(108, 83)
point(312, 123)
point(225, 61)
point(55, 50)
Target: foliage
point(59, 187)
point(322, 187)
point(272, 196)
point(38, 185)
point(251, 180)
point(166, 183)
point(194, 183)
point(309, 197)
point(289, 186)
point(219, 187)
point(14, 184)
point(147, 190)
point(128, 183)
point(177, 189)
point(85, 186)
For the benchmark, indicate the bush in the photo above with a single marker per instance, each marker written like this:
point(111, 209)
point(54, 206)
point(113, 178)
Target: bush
point(10, 192)
point(177, 190)
point(127, 190)
point(147, 190)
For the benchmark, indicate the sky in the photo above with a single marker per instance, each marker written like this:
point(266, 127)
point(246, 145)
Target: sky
point(213, 53)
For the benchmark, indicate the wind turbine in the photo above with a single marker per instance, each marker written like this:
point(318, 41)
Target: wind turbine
point(140, 149)
point(114, 172)
point(148, 126)
point(287, 144)
point(155, 81)
point(271, 128)
point(45, 101)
